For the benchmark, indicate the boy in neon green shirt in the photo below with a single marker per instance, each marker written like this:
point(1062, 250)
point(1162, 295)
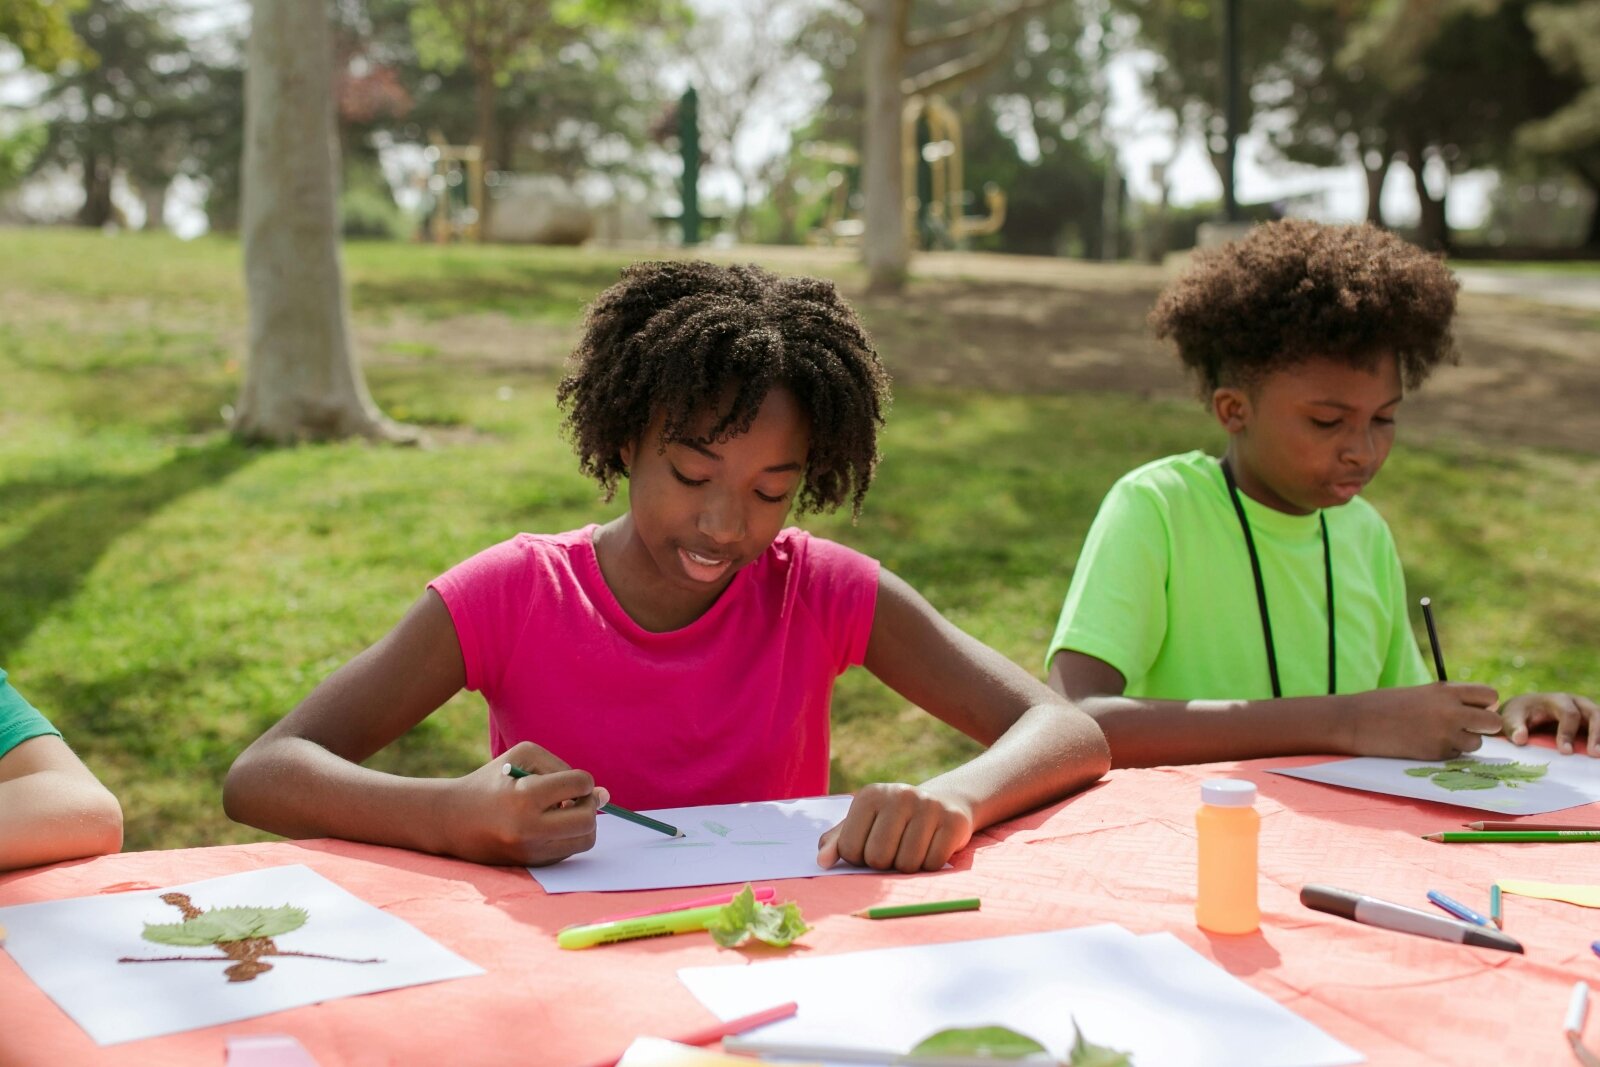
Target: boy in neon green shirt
point(52, 807)
point(1255, 605)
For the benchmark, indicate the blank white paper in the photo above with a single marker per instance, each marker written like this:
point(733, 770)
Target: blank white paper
point(70, 949)
point(1151, 996)
point(722, 844)
point(1569, 781)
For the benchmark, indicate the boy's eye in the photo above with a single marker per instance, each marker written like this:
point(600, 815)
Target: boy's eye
point(676, 473)
point(1326, 424)
point(1383, 420)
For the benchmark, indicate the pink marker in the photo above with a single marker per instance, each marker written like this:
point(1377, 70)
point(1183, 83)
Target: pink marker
point(764, 895)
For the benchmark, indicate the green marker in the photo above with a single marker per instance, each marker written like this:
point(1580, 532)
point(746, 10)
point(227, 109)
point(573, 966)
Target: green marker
point(671, 922)
point(611, 809)
point(1455, 836)
point(932, 907)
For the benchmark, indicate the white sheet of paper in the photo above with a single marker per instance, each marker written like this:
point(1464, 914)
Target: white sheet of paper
point(1151, 996)
point(722, 844)
point(70, 948)
point(1569, 781)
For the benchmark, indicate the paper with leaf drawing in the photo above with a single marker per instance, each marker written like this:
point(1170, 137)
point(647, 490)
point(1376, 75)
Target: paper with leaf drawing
point(1499, 777)
point(722, 844)
point(127, 966)
point(1151, 996)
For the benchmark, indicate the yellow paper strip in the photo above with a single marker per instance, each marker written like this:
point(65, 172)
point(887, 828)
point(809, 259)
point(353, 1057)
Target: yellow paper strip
point(1585, 896)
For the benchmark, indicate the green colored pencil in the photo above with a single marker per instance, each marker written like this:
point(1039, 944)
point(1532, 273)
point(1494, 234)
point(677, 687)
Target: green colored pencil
point(1494, 906)
point(932, 907)
point(612, 809)
point(1462, 836)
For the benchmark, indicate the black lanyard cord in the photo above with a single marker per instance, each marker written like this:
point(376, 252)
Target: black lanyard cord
point(1261, 588)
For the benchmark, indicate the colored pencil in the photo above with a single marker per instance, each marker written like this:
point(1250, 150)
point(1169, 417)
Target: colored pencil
point(763, 893)
point(932, 907)
point(715, 1032)
point(1433, 639)
point(1596, 947)
point(1489, 824)
point(1494, 906)
point(1456, 908)
point(611, 809)
point(1463, 836)
point(812, 1053)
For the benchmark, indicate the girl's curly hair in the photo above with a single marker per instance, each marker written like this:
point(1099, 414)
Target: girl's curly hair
point(1292, 290)
point(678, 337)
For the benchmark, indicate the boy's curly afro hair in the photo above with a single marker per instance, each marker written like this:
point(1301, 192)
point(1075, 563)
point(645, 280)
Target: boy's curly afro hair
point(1292, 290)
point(679, 337)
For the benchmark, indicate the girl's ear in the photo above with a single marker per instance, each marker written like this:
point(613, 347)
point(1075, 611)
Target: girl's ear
point(1231, 406)
point(626, 452)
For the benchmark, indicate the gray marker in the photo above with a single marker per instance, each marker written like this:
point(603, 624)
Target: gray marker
point(1375, 912)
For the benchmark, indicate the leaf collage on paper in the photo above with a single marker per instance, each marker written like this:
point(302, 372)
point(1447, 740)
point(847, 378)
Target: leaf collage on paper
point(744, 917)
point(1468, 773)
point(1004, 1045)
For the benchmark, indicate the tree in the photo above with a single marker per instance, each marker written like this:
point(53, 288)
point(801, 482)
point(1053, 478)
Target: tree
point(495, 39)
point(944, 56)
point(302, 381)
point(42, 31)
point(1568, 37)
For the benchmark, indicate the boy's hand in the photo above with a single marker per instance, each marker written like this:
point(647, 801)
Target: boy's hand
point(528, 822)
point(1567, 710)
point(890, 825)
point(1424, 722)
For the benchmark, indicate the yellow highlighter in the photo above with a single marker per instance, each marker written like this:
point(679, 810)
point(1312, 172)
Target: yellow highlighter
point(669, 922)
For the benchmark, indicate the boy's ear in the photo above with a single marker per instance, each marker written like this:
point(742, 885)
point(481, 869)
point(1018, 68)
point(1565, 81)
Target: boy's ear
point(1231, 406)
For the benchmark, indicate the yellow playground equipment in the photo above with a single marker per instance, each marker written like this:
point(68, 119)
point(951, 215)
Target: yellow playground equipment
point(455, 166)
point(941, 221)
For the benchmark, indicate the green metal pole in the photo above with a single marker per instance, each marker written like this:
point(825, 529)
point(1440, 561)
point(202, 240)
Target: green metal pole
point(689, 139)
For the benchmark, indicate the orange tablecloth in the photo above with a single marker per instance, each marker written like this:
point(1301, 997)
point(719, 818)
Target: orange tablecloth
point(1122, 852)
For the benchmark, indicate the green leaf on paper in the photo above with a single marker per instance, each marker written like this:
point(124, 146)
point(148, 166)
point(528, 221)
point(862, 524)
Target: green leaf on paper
point(995, 1042)
point(227, 924)
point(1087, 1054)
point(745, 917)
point(1467, 773)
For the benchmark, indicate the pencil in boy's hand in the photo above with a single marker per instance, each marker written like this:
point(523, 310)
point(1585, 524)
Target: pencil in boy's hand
point(932, 907)
point(1433, 639)
point(618, 810)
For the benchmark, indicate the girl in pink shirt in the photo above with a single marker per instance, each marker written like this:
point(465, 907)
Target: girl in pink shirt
point(685, 652)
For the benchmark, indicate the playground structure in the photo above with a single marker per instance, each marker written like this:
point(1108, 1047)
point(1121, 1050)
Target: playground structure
point(935, 199)
point(454, 166)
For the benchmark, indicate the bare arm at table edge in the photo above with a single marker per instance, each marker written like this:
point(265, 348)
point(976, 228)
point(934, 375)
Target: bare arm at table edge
point(1435, 721)
point(303, 777)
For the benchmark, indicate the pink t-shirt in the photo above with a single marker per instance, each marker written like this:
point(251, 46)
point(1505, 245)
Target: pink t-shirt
point(733, 707)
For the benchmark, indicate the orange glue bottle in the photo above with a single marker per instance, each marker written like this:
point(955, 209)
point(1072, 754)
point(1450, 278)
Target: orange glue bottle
point(1229, 831)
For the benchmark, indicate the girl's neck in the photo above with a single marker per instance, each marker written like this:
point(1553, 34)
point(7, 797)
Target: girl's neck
point(647, 598)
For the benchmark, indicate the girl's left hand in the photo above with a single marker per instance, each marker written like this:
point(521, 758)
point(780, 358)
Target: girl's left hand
point(891, 825)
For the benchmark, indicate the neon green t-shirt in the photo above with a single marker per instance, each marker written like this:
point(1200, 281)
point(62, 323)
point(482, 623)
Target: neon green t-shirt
point(19, 721)
point(1163, 592)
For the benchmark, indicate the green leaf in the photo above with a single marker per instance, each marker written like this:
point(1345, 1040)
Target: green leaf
point(227, 924)
point(1086, 1054)
point(745, 917)
point(995, 1042)
point(1458, 780)
point(1422, 772)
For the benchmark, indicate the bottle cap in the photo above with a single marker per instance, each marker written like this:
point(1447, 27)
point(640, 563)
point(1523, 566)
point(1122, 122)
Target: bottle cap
point(1228, 792)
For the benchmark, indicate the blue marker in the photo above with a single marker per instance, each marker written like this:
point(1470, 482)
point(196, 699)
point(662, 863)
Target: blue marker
point(1596, 947)
point(1460, 911)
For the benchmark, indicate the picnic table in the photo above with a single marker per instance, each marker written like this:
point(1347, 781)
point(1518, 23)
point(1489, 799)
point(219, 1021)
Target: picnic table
point(1122, 852)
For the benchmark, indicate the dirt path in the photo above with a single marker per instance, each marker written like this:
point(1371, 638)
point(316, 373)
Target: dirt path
point(1529, 373)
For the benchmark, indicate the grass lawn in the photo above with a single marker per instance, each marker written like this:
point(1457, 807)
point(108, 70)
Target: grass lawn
point(165, 594)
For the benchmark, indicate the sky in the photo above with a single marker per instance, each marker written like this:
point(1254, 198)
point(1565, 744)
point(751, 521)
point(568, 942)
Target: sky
point(1143, 136)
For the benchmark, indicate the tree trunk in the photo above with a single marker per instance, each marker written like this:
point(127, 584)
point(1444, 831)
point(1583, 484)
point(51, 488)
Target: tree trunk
point(883, 243)
point(1434, 228)
point(97, 207)
point(1376, 175)
point(483, 101)
point(302, 381)
point(154, 197)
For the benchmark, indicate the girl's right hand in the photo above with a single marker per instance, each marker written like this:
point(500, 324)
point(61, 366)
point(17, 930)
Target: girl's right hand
point(1440, 720)
point(526, 822)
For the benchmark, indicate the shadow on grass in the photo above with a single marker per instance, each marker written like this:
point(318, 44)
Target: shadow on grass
point(47, 564)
